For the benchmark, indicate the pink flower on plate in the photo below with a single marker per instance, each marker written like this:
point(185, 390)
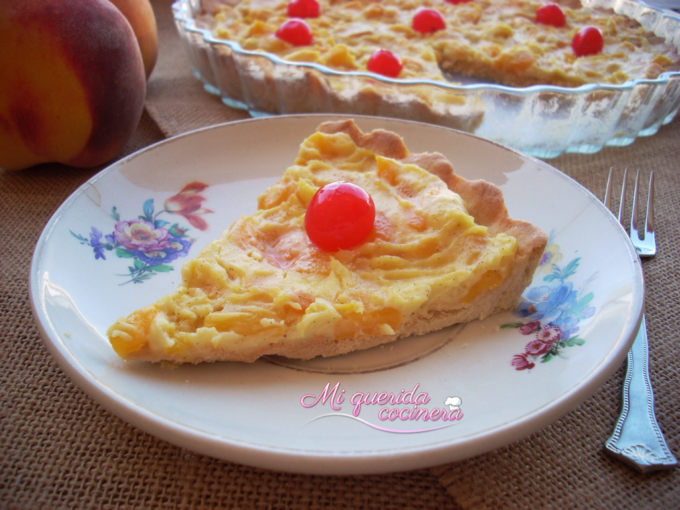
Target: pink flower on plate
point(537, 347)
point(529, 327)
point(141, 235)
point(549, 334)
point(522, 362)
point(189, 203)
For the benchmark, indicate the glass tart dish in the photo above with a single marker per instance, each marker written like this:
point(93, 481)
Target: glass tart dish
point(251, 69)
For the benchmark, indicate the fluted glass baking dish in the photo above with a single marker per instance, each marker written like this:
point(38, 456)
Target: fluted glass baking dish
point(541, 120)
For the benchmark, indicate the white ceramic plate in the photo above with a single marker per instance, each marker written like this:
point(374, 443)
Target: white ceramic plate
point(587, 298)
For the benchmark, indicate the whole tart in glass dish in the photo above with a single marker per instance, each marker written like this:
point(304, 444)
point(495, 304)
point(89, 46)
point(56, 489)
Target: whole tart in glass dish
point(501, 69)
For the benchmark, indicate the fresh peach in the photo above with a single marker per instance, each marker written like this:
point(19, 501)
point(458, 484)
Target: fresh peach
point(72, 82)
point(140, 15)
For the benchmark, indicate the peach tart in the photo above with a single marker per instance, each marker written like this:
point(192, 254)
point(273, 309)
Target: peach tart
point(440, 250)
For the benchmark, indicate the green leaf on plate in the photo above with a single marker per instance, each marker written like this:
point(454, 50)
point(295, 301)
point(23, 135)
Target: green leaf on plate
point(162, 268)
point(512, 325)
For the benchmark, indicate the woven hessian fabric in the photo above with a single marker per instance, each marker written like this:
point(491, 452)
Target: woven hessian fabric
point(59, 449)
point(564, 466)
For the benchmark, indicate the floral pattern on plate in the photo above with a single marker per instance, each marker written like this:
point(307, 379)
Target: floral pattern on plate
point(149, 241)
point(552, 312)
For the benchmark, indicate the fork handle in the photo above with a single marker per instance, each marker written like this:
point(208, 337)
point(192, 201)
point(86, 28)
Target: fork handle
point(637, 439)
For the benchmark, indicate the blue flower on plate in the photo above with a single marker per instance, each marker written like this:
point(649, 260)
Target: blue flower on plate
point(551, 313)
point(97, 246)
point(547, 303)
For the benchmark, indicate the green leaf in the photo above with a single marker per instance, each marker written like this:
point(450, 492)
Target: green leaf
point(161, 268)
point(582, 303)
point(570, 343)
point(79, 237)
point(512, 325)
point(114, 213)
point(578, 341)
point(148, 209)
point(571, 268)
point(546, 358)
point(138, 264)
point(123, 253)
point(174, 232)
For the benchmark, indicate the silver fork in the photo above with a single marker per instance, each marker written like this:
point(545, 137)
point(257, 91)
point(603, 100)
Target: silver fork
point(637, 439)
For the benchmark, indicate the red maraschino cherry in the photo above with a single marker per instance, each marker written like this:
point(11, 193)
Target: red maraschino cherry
point(295, 32)
point(550, 14)
point(303, 9)
point(339, 217)
point(456, 2)
point(427, 21)
point(587, 41)
point(384, 62)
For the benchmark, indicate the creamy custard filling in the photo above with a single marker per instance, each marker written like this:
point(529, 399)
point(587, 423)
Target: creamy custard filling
point(264, 282)
point(494, 39)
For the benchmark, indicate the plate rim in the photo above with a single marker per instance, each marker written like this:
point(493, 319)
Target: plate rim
point(308, 460)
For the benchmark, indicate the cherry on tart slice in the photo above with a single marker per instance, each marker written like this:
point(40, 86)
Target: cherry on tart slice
point(456, 2)
point(427, 21)
point(295, 32)
point(587, 41)
point(340, 216)
point(550, 14)
point(303, 9)
point(384, 62)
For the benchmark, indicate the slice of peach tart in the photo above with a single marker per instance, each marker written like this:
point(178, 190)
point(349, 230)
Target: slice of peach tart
point(438, 250)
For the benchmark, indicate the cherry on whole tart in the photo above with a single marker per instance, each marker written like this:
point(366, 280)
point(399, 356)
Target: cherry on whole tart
point(587, 41)
point(303, 9)
point(427, 21)
point(295, 32)
point(384, 62)
point(550, 14)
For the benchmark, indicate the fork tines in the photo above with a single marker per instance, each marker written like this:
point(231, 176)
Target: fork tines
point(645, 246)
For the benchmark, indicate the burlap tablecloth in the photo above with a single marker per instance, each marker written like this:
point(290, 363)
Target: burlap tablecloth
point(59, 449)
